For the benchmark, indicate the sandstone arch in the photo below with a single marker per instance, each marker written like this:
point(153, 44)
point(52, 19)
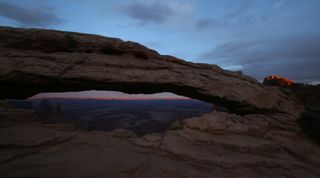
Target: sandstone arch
point(33, 61)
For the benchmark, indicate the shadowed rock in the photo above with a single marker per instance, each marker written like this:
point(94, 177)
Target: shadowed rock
point(213, 145)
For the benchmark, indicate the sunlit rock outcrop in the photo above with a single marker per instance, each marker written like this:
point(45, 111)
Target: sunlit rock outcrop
point(278, 81)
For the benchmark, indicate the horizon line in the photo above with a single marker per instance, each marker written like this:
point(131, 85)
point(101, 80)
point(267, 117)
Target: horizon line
point(94, 98)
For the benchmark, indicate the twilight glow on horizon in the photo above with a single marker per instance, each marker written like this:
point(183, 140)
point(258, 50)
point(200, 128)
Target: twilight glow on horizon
point(109, 95)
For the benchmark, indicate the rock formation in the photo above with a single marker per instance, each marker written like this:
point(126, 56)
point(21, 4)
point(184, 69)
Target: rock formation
point(43, 60)
point(308, 94)
point(278, 81)
point(213, 145)
point(264, 140)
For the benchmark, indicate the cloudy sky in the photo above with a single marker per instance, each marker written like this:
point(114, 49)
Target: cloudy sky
point(257, 37)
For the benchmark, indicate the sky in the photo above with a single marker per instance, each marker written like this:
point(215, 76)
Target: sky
point(257, 37)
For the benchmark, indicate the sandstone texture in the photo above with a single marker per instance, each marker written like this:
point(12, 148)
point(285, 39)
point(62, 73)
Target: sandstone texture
point(43, 60)
point(213, 145)
point(260, 137)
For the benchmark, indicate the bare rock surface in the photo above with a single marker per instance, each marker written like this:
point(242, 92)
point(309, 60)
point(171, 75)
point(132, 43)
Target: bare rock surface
point(213, 145)
point(46, 60)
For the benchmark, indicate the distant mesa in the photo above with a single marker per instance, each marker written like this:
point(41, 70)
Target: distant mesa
point(275, 80)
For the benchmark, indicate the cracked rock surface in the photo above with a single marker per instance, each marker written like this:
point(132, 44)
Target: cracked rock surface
point(213, 145)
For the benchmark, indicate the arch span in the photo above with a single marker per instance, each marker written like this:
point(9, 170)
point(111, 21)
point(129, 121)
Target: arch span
point(34, 61)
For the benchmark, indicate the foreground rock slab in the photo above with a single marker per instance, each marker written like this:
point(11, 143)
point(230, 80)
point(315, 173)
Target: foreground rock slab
point(213, 145)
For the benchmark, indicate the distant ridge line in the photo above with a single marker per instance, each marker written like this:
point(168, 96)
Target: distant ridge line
point(121, 99)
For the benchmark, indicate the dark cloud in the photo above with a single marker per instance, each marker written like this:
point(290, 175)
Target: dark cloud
point(204, 24)
point(28, 17)
point(296, 57)
point(149, 13)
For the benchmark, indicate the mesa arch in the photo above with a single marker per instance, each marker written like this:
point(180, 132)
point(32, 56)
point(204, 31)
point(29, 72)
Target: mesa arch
point(34, 61)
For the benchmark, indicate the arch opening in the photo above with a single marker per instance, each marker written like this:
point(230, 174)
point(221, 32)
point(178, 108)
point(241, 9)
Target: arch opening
point(108, 110)
point(13, 90)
